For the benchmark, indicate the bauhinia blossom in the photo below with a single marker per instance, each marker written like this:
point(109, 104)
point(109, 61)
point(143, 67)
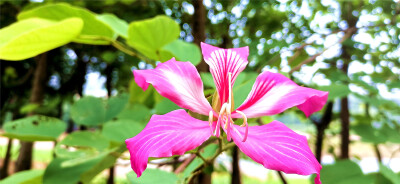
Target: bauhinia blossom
point(273, 145)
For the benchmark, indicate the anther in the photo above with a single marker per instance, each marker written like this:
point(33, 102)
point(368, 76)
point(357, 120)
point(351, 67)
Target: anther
point(210, 120)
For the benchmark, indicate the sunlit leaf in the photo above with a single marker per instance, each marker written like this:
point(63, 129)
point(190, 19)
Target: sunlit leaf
point(335, 91)
point(24, 177)
point(35, 128)
point(92, 26)
point(118, 25)
point(30, 37)
point(150, 35)
point(183, 51)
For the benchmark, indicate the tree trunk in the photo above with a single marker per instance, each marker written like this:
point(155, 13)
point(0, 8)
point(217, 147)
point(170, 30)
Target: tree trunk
point(24, 161)
point(4, 169)
point(235, 179)
point(321, 126)
point(346, 14)
point(199, 29)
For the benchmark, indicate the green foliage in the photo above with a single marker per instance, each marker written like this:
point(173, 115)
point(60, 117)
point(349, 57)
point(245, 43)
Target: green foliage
point(344, 172)
point(25, 177)
point(88, 111)
point(81, 144)
point(389, 174)
point(33, 36)
point(183, 51)
point(118, 25)
point(336, 91)
point(151, 35)
point(34, 128)
point(115, 105)
point(92, 26)
point(120, 130)
point(151, 176)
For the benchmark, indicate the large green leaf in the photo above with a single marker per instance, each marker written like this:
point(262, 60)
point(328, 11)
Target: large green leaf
point(81, 144)
point(88, 111)
point(335, 91)
point(151, 176)
point(24, 177)
point(150, 35)
point(30, 37)
point(115, 105)
point(93, 27)
point(182, 51)
point(389, 174)
point(118, 25)
point(120, 130)
point(344, 172)
point(370, 134)
point(35, 128)
point(135, 112)
point(165, 106)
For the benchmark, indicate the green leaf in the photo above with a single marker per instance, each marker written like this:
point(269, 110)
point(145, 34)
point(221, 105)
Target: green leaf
point(207, 79)
point(150, 35)
point(24, 177)
point(389, 174)
point(369, 134)
point(81, 144)
point(208, 151)
point(118, 25)
point(183, 51)
point(151, 176)
point(344, 172)
point(30, 37)
point(135, 112)
point(35, 128)
point(88, 111)
point(335, 91)
point(165, 106)
point(120, 130)
point(92, 26)
point(115, 105)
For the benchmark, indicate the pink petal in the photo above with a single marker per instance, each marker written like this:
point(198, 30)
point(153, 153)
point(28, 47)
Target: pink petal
point(272, 93)
point(165, 135)
point(223, 61)
point(277, 147)
point(178, 81)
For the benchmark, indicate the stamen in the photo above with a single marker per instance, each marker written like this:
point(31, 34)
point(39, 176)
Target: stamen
point(244, 124)
point(210, 121)
point(221, 113)
point(230, 88)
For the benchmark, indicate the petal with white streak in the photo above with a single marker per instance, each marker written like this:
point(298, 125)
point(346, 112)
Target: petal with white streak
point(178, 81)
point(277, 147)
point(272, 93)
point(222, 62)
point(166, 135)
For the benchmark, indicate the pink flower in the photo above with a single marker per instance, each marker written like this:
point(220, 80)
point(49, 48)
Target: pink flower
point(273, 145)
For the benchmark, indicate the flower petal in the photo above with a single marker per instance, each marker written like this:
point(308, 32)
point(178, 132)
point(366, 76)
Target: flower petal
point(272, 93)
point(178, 81)
point(222, 62)
point(165, 135)
point(277, 147)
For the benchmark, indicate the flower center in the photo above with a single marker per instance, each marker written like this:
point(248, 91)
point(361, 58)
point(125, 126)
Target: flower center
point(225, 118)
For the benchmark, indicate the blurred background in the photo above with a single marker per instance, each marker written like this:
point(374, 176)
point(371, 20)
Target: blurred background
point(68, 99)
